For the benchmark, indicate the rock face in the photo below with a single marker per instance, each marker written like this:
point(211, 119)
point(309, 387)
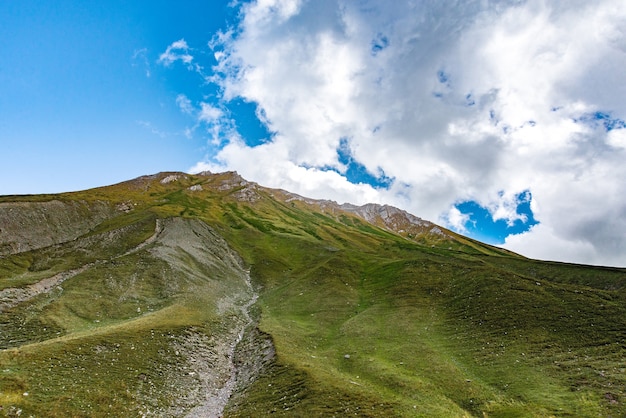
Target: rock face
point(27, 226)
point(172, 178)
point(384, 216)
point(390, 217)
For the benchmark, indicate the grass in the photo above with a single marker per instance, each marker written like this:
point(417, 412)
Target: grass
point(440, 333)
point(110, 374)
point(121, 337)
point(364, 322)
point(109, 239)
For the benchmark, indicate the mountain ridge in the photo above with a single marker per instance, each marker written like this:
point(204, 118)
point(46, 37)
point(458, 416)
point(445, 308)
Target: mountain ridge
point(389, 217)
point(179, 294)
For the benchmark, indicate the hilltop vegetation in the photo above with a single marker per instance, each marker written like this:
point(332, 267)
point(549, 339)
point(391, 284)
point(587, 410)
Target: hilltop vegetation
point(207, 295)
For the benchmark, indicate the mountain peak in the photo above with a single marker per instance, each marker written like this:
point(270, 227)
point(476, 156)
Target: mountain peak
point(387, 217)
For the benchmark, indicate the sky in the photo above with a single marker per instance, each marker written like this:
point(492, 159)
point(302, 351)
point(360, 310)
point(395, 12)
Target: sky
point(502, 120)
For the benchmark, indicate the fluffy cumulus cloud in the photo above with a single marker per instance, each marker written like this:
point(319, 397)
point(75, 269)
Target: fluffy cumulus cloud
point(498, 103)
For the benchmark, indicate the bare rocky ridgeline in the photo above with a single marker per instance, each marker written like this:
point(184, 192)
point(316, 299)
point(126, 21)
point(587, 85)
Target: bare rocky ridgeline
point(28, 226)
point(394, 219)
point(385, 216)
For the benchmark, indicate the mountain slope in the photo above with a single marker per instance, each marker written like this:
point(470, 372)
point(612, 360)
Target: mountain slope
point(171, 294)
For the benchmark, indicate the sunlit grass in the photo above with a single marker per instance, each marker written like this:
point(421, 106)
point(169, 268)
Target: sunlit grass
point(364, 322)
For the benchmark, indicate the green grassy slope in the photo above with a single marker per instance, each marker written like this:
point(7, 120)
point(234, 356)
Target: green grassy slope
point(433, 332)
point(364, 321)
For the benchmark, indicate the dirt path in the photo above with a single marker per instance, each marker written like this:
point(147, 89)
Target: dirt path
point(15, 295)
point(158, 229)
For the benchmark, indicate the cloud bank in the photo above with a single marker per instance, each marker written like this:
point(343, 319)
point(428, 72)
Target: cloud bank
point(498, 103)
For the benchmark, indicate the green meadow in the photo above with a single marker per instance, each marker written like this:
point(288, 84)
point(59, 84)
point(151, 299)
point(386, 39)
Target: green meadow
point(193, 284)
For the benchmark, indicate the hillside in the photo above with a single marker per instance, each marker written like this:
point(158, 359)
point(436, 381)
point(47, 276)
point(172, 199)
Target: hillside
point(207, 295)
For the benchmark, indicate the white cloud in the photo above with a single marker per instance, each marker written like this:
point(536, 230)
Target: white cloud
point(176, 51)
point(459, 100)
point(543, 243)
point(149, 126)
point(617, 138)
point(141, 55)
point(506, 208)
point(285, 174)
point(456, 219)
point(209, 113)
point(184, 104)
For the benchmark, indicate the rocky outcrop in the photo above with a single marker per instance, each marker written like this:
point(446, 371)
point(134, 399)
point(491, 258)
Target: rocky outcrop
point(26, 226)
point(383, 216)
point(394, 219)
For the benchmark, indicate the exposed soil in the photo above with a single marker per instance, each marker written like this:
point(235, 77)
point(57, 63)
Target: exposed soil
point(28, 226)
point(221, 376)
point(211, 368)
point(13, 296)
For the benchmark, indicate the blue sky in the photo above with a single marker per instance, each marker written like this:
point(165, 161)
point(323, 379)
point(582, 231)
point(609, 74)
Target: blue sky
point(504, 121)
point(82, 99)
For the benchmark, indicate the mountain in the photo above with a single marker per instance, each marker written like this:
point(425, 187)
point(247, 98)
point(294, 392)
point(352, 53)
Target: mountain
point(208, 295)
